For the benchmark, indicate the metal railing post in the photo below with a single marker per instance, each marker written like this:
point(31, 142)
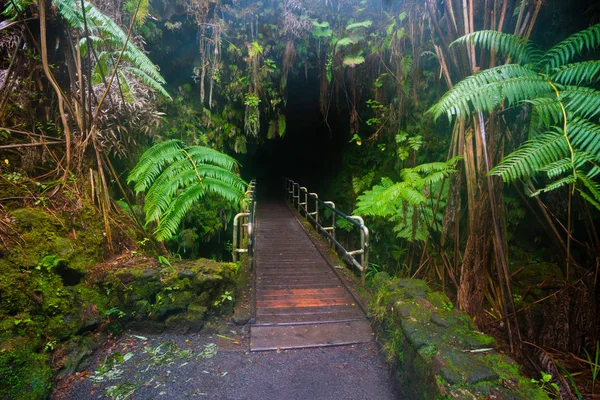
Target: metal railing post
point(238, 235)
point(364, 246)
point(316, 212)
point(303, 204)
point(245, 219)
point(296, 199)
point(329, 231)
point(332, 227)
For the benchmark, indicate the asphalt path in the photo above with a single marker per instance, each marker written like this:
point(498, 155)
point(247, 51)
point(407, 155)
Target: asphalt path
point(217, 364)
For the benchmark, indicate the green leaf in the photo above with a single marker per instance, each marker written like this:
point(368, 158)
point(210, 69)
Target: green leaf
point(363, 24)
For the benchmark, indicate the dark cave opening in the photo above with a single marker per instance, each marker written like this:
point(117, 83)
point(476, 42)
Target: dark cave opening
point(310, 152)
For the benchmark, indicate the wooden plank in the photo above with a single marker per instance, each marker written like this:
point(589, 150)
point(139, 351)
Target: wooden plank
point(310, 335)
point(300, 301)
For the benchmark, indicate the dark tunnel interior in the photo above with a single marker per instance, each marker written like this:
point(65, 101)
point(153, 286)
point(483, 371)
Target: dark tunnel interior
point(310, 152)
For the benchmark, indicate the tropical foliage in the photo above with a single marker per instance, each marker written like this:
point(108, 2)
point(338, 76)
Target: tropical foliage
point(414, 204)
point(564, 139)
point(175, 176)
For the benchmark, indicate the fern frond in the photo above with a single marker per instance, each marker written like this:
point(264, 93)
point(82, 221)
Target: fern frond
point(565, 181)
point(201, 154)
point(557, 168)
point(584, 135)
point(577, 73)
point(488, 89)
point(230, 193)
point(169, 223)
point(175, 176)
point(593, 187)
point(532, 156)
point(152, 162)
point(111, 34)
point(583, 101)
point(521, 50)
point(563, 52)
point(381, 200)
point(440, 166)
point(546, 111)
point(148, 81)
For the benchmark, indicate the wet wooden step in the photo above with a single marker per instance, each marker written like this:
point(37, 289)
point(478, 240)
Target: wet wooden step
point(282, 337)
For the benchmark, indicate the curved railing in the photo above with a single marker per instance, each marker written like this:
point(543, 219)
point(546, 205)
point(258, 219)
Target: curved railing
point(243, 226)
point(298, 196)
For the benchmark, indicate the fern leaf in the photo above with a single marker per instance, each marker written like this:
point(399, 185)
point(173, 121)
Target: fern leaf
point(546, 112)
point(584, 135)
point(101, 26)
point(521, 50)
point(557, 168)
point(582, 101)
point(577, 73)
point(152, 162)
point(594, 190)
point(175, 176)
point(565, 181)
point(563, 52)
point(532, 156)
point(148, 81)
point(169, 224)
point(487, 90)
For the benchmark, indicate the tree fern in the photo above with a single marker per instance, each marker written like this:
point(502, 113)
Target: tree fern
point(175, 176)
point(521, 50)
point(488, 89)
point(564, 142)
point(532, 156)
point(563, 52)
point(580, 73)
point(407, 202)
point(109, 38)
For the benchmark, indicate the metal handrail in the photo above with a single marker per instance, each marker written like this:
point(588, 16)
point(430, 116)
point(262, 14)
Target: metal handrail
point(245, 219)
point(294, 192)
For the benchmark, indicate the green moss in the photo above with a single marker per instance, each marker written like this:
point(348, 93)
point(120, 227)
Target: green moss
point(440, 300)
point(427, 338)
point(25, 373)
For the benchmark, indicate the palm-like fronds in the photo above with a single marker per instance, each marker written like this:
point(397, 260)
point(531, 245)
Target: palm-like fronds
point(532, 156)
point(520, 50)
point(396, 201)
point(580, 73)
point(488, 89)
point(568, 149)
point(563, 52)
point(175, 176)
point(109, 38)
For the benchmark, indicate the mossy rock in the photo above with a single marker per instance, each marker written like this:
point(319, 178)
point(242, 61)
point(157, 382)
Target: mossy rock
point(433, 347)
point(410, 288)
point(26, 375)
point(77, 240)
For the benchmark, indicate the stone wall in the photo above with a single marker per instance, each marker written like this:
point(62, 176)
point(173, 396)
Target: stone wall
point(437, 352)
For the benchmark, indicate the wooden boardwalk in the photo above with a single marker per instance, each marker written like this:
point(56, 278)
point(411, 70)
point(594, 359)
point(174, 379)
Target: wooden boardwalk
point(299, 300)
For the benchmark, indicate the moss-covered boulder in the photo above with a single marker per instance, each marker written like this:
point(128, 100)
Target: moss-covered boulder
point(437, 350)
point(155, 297)
point(59, 296)
point(25, 372)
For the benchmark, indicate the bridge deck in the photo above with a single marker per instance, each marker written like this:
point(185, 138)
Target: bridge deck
point(300, 300)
